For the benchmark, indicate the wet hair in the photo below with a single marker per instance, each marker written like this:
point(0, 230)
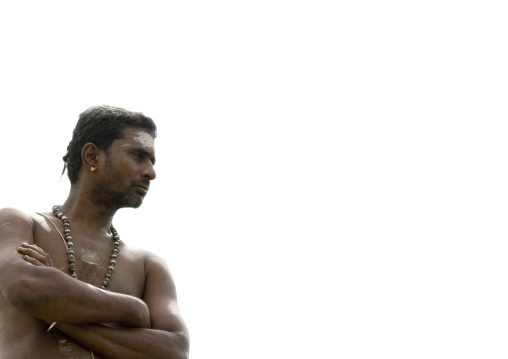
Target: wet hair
point(101, 125)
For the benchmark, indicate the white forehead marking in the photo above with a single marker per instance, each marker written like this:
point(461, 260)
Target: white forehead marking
point(144, 138)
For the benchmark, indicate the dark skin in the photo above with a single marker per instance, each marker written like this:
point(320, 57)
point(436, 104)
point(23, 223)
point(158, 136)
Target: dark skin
point(140, 304)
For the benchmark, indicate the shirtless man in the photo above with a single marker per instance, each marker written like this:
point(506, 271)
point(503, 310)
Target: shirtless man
point(53, 264)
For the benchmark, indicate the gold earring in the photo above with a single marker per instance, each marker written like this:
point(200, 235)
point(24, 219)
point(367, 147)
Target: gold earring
point(92, 169)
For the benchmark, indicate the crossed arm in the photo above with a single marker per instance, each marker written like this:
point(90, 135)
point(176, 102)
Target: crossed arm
point(155, 327)
point(166, 338)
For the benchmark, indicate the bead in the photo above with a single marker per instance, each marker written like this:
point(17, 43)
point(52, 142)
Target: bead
point(70, 250)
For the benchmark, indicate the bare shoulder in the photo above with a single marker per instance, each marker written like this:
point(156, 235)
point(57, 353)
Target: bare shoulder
point(150, 259)
point(157, 275)
point(15, 213)
point(16, 227)
point(13, 219)
point(148, 263)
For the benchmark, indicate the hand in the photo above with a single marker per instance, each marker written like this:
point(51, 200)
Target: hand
point(35, 255)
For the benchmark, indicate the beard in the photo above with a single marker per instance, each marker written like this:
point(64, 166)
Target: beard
point(129, 200)
point(107, 194)
point(107, 197)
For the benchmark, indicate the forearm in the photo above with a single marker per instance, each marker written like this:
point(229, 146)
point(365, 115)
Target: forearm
point(55, 297)
point(133, 343)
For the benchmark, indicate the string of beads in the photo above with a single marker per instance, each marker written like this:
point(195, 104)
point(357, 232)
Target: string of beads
point(70, 248)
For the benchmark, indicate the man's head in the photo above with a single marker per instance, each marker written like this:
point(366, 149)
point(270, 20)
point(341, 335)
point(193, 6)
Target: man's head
point(112, 153)
point(123, 173)
point(101, 125)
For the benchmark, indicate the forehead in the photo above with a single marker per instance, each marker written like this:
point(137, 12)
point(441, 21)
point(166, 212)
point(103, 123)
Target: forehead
point(137, 137)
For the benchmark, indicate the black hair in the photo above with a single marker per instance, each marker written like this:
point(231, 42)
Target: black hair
point(101, 125)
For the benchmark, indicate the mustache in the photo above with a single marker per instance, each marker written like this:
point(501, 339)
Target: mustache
point(143, 181)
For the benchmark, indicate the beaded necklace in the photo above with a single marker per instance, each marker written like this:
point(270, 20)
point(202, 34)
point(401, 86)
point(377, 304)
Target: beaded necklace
point(70, 248)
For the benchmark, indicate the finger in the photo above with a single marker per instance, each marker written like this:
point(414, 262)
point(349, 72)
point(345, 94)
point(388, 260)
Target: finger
point(41, 252)
point(33, 261)
point(34, 247)
point(30, 252)
point(44, 259)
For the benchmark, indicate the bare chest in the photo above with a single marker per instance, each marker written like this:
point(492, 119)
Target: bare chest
point(92, 260)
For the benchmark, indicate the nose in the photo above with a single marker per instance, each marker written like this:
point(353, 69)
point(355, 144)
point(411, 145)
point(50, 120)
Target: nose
point(149, 171)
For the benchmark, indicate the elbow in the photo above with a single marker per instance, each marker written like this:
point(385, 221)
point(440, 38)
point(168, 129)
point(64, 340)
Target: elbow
point(183, 352)
point(177, 348)
point(28, 293)
point(22, 293)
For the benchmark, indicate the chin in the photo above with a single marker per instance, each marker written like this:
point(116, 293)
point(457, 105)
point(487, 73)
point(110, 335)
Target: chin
point(116, 200)
point(130, 201)
point(134, 204)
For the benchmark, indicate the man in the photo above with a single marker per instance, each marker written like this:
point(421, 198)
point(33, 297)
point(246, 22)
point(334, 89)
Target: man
point(69, 286)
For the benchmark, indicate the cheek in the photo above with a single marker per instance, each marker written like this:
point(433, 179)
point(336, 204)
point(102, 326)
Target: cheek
point(115, 178)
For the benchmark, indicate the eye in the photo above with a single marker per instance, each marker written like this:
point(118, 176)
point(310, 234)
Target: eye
point(139, 155)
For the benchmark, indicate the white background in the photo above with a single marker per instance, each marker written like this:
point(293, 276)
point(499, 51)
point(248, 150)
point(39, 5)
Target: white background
point(332, 175)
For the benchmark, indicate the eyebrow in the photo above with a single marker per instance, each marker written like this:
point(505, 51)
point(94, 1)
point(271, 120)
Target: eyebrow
point(149, 154)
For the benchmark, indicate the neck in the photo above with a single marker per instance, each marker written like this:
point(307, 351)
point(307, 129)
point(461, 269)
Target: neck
point(80, 210)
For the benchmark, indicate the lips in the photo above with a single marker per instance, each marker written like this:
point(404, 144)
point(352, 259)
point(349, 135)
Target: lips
point(142, 188)
point(145, 187)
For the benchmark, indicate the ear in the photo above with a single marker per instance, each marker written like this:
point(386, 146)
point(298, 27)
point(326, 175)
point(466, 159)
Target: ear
point(89, 155)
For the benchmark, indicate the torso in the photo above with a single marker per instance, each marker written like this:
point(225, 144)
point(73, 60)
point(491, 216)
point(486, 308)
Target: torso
point(24, 336)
